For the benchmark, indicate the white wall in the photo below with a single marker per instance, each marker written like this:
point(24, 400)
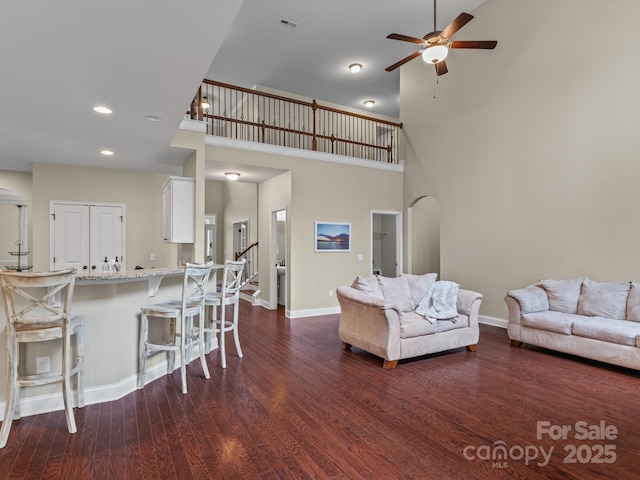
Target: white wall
point(531, 148)
point(140, 192)
point(322, 191)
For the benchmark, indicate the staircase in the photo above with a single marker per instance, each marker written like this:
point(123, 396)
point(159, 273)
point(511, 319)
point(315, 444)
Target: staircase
point(249, 290)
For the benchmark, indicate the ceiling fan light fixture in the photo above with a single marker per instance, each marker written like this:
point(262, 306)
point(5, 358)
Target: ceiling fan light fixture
point(233, 176)
point(435, 53)
point(355, 67)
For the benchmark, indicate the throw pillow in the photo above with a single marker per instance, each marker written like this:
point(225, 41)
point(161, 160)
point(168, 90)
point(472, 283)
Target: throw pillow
point(395, 290)
point(604, 299)
point(420, 284)
point(368, 285)
point(563, 294)
point(633, 303)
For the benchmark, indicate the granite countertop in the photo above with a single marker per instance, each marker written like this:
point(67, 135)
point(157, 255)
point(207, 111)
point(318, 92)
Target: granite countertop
point(129, 274)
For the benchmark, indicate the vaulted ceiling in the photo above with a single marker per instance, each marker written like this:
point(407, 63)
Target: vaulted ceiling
point(146, 59)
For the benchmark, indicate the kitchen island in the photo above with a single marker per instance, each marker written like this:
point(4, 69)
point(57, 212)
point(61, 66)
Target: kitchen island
point(110, 304)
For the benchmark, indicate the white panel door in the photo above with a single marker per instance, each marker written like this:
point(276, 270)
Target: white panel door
point(106, 235)
point(71, 237)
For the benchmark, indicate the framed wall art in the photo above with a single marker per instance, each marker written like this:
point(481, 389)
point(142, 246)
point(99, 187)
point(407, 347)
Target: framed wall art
point(333, 237)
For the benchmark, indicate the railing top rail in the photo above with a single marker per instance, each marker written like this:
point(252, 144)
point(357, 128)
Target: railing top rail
point(312, 104)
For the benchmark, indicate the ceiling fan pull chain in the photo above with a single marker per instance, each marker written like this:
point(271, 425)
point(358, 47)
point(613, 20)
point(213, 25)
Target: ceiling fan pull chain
point(435, 85)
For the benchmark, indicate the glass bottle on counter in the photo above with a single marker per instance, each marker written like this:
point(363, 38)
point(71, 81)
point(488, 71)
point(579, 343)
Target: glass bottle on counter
point(116, 265)
point(105, 266)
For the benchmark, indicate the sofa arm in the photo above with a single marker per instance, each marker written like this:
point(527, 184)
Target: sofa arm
point(369, 323)
point(530, 299)
point(466, 299)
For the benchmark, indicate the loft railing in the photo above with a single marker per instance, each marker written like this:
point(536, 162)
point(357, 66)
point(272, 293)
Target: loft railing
point(245, 114)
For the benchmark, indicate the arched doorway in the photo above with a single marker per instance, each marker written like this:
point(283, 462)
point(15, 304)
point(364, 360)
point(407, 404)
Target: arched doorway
point(423, 235)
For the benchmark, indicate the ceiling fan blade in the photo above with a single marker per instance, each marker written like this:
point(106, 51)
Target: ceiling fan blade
point(441, 68)
point(485, 44)
point(405, 38)
point(459, 22)
point(403, 61)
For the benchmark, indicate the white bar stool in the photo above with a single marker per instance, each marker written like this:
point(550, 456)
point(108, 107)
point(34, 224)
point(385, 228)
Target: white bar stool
point(190, 305)
point(32, 316)
point(229, 295)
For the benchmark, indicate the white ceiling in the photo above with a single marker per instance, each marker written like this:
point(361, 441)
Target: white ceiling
point(144, 57)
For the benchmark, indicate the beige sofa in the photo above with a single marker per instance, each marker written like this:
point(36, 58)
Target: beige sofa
point(377, 314)
point(596, 320)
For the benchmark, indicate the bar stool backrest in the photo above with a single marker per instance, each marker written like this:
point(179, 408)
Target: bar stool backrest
point(232, 280)
point(194, 288)
point(23, 305)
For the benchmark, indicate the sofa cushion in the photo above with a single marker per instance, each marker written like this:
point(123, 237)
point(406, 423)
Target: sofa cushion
point(414, 325)
point(549, 321)
point(563, 294)
point(461, 321)
point(368, 285)
point(395, 290)
point(604, 299)
point(633, 303)
point(608, 330)
point(419, 284)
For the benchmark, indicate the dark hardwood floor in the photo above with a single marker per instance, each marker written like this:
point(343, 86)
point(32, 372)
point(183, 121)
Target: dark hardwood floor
point(297, 406)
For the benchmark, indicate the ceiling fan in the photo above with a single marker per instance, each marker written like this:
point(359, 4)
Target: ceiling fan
point(435, 45)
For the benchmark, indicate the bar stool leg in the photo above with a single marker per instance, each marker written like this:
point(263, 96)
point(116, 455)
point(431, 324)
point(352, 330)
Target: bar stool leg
point(223, 354)
point(171, 361)
point(236, 337)
point(142, 348)
point(183, 354)
point(12, 385)
point(80, 373)
point(201, 343)
point(66, 380)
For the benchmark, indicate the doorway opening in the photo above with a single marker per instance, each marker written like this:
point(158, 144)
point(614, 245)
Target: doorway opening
point(423, 235)
point(278, 266)
point(386, 243)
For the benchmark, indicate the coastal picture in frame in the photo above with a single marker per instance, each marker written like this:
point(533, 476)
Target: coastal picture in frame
point(333, 237)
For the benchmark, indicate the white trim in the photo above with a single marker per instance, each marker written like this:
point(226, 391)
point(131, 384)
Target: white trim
point(312, 312)
point(193, 125)
point(495, 321)
point(300, 153)
point(52, 402)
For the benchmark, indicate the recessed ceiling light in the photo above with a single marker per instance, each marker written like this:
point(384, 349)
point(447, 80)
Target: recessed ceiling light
point(102, 109)
point(232, 176)
point(152, 118)
point(355, 67)
point(369, 103)
point(107, 153)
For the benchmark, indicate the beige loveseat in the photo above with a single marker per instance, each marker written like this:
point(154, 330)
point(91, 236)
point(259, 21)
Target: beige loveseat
point(597, 320)
point(377, 314)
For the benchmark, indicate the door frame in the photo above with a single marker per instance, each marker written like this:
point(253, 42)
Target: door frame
point(273, 257)
point(399, 239)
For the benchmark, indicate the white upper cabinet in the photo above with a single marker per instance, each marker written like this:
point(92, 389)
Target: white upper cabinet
point(178, 203)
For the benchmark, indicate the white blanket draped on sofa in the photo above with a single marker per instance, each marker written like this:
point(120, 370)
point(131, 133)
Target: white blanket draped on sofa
point(440, 302)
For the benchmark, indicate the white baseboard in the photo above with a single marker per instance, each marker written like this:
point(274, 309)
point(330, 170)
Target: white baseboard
point(495, 321)
point(313, 312)
point(52, 402)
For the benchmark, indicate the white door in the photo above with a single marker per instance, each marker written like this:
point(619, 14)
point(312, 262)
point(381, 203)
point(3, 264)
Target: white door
point(83, 235)
point(105, 234)
point(70, 237)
